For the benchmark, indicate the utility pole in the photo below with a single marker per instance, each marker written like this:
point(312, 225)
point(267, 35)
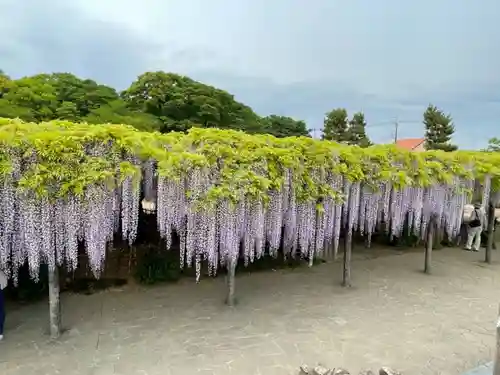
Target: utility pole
point(396, 126)
point(315, 132)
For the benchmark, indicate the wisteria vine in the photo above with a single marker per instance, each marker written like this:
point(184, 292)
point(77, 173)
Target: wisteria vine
point(228, 196)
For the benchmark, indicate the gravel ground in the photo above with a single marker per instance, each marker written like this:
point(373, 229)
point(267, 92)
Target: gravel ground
point(394, 315)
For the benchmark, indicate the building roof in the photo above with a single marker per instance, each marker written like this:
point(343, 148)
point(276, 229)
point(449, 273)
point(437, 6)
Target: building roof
point(410, 143)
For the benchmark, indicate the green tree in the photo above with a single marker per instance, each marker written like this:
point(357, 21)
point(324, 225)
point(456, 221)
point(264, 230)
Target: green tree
point(493, 145)
point(336, 126)
point(45, 97)
point(67, 111)
point(179, 102)
point(282, 126)
point(37, 97)
point(156, 101)
point(117, 112)
point(8, 107)
point(12, 110)
point(438, 129)
point(86, 94)
point(5, 83)
point(357, 131)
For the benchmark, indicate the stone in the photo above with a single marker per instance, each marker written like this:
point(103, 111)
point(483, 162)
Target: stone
point(340, 371)
point(304, 370)
point(388, 371)
point(321, 370)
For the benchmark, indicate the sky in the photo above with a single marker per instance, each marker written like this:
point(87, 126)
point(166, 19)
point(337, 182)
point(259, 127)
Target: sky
point(387, 58)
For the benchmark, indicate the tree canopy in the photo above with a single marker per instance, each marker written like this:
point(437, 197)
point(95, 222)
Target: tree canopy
point(438, 129)
point(493, 145)
point(155, 101)
point(165, 102)
point(282, 126)
point(179, 102)
point(357, 131)
point(338, 127)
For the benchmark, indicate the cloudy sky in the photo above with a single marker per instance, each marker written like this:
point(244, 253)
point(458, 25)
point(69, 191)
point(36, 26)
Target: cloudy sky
point(387, 58)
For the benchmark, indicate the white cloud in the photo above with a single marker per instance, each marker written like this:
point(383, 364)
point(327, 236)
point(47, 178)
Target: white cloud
point(388, 47)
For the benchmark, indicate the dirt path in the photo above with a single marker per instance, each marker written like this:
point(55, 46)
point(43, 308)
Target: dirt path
point(394, 316)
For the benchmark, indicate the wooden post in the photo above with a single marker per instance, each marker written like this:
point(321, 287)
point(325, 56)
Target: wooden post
point(438, 236)
point(496, 367)
point(346, 277)
point(330, 252)
point(54, 303)
point(230, 280)
point(491, 234)
point(428, 245)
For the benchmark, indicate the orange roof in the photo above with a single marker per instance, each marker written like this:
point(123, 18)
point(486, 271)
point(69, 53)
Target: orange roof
point(410, 143)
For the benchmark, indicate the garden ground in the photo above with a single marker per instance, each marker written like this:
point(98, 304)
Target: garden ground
point(394, 315)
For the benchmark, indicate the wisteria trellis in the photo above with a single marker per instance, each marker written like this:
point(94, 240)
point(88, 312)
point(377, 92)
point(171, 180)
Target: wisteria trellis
point(49, 228)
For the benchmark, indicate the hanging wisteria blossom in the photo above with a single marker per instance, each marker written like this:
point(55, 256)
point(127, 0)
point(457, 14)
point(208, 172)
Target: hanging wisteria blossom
point(227, 196)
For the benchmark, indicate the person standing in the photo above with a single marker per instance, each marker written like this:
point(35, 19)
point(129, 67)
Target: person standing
point(3, 285)
point(475, 228)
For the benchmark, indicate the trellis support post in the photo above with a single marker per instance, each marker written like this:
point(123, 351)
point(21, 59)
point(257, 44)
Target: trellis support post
point(491, 235)
point(346, 274)
point(428, 244)
point(230, 281)
point(496, 366)
point(54, 303)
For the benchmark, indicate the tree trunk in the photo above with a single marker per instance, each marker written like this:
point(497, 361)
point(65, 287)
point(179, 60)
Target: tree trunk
point(491, 234)
point(496, 367)
point(346, 277)
point(54, 303)
point(428, 245)
point(230, 280)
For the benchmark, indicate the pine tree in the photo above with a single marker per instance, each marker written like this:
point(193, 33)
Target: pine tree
point(357, 131)
point(438, 129)
point(336, 126)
